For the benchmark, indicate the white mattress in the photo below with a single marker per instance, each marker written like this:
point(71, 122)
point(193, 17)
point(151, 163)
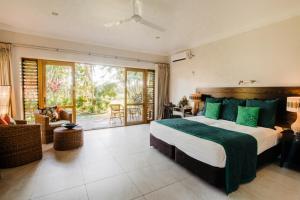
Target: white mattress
point(207, 151)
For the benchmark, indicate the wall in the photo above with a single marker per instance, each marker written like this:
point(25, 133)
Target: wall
point(19, 52)
point(270, 55)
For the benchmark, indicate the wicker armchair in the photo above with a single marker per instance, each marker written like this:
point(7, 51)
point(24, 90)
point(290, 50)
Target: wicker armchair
point(47, 127)
point(19, 144)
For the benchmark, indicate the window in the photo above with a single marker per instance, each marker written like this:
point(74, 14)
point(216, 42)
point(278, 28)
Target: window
point(30, 87)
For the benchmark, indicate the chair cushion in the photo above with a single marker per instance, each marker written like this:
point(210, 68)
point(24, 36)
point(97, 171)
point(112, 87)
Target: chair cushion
point(7, 120)
point(51, 112)
point(3, 121)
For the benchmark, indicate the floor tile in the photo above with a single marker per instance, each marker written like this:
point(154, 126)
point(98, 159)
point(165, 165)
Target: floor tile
point(176, 191)
point(133, 161)
point(150, 179)
point(47, 184)
point(17, 190)
point(101, 169)
point(115, 188)
point(77, 193)
point(203, 190)
point(140, 198)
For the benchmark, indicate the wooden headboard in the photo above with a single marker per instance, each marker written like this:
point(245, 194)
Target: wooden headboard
point(283, 117)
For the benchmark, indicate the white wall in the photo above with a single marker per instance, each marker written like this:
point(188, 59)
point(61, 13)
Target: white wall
point(19, 52)
point(269, 55)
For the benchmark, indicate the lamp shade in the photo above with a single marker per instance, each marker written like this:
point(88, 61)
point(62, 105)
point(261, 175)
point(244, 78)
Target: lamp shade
point(4, 99)
point(293, 104)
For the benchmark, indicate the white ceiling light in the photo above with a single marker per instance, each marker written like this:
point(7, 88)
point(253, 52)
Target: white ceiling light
point(136, 17)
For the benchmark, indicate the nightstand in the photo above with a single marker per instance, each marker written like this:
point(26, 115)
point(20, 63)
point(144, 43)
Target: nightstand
point(290, 150)
point(184, 112)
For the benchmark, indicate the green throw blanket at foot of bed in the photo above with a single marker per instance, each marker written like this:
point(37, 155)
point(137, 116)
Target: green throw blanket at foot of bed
point(240, 148)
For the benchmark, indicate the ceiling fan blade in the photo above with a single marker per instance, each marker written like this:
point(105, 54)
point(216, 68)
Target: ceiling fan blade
point(137, 7)
point(117, 23)
point(151, 25)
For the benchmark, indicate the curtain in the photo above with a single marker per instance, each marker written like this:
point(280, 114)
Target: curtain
point(163, 88)
point(6, 71)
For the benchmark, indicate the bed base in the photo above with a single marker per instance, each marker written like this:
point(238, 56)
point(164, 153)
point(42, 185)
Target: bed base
point(163, 147)
point(213, 175)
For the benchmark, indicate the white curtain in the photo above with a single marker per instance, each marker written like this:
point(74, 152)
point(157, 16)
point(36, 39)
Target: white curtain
point(6, 72)
point(163, 88)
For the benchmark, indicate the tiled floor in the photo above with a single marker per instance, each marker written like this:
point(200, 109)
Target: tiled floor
point(117, 164)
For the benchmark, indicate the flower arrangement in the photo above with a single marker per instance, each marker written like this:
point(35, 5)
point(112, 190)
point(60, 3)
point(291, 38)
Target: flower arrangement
point(183, 102)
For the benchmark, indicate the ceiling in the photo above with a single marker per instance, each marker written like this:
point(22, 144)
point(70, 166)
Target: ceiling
point(188, 23)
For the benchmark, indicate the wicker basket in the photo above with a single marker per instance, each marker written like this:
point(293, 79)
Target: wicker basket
point(66, 139)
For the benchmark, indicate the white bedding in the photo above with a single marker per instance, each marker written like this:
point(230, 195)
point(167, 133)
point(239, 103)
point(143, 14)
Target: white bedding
point(207, 151)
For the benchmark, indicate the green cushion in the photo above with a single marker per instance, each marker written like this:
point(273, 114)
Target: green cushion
point(211, 100)
point(230, 108)
point(267, 113)
point(247, 116)
point(213, 110)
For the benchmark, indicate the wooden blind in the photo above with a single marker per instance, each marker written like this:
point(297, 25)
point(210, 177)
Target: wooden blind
point(30, 87)
point(150, 94)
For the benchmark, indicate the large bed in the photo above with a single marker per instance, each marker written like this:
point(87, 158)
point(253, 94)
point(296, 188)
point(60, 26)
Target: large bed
point(207, 151)
point(206, 158)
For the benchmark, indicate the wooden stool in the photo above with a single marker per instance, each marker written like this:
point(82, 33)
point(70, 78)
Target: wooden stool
point(67, 139)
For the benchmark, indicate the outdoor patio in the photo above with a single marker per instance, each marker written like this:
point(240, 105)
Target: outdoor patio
point(92, 122)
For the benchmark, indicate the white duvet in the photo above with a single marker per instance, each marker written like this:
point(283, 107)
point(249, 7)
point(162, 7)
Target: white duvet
point(207, 151)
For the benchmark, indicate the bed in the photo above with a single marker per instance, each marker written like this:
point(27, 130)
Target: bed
point(207, 159)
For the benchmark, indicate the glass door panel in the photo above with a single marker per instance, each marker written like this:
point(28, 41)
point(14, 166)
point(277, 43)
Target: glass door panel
point(134, 96)
point(150, 94)
point(59, 85)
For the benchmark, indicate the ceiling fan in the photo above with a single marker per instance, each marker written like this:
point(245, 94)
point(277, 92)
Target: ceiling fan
point(136, 17)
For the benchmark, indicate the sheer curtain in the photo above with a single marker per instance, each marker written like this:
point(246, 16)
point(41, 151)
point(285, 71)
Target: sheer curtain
point(6, 71)
point(163, 88)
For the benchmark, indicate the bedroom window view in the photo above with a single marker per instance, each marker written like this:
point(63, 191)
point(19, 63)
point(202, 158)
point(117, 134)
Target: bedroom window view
point(98, 96)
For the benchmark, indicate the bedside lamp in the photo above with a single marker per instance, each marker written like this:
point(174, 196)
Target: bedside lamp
point(293, 105)
point(196, 98)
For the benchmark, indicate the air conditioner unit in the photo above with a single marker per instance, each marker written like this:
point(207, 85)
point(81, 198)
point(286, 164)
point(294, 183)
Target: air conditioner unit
point(184, 55)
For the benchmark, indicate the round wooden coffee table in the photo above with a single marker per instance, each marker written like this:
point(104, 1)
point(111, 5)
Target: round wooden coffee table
point(66, 139)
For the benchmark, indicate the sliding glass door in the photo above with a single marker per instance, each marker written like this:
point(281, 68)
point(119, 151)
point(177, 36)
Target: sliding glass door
point(105, 96)
point(139, 96)
point(58, 85)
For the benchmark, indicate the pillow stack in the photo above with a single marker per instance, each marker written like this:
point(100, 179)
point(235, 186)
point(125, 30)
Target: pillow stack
point(7, 120)
point(249, 112)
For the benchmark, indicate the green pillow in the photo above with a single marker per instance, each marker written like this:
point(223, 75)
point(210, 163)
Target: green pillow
point(213, 110)
point(267, 113)
point(211, 100)
point(247, 116)
point(230, 108)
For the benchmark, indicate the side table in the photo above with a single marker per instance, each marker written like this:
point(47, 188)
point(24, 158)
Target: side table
point(290, 150)
point(66, 139)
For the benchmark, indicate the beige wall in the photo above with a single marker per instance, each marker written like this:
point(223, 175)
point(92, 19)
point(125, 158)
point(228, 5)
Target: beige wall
point(19, 52)
point(269, 55)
